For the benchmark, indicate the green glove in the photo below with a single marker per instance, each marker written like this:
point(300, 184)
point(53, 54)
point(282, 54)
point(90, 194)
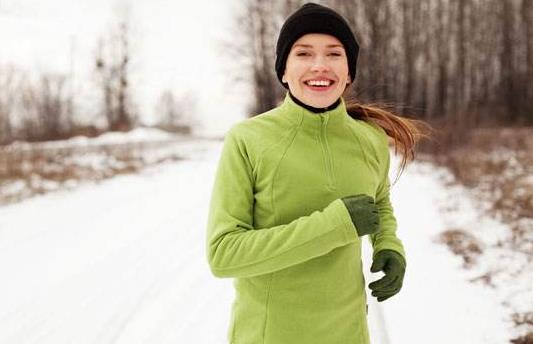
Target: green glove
point(363, 212)
point(393, 265)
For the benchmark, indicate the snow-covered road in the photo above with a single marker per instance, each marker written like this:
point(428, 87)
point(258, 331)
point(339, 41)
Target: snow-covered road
point(123, 261)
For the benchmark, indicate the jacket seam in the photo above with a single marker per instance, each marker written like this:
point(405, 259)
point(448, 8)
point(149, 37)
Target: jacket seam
point(264, 151)
point(361, 147)
point(331, 182)
point(331, 161)
point(272, 204)
point(267, 303)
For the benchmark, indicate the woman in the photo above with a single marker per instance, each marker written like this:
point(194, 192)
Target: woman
point(297, 188)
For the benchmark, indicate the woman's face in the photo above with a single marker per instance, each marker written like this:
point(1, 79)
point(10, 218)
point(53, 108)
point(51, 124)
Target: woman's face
point(317, 69)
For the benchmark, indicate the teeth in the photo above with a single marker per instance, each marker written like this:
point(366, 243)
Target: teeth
point(319, 82)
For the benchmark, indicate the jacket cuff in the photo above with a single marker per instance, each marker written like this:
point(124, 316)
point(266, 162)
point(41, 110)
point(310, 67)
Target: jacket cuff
point(343, 216)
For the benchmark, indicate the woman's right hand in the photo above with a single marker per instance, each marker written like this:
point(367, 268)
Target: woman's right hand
point(363, 212)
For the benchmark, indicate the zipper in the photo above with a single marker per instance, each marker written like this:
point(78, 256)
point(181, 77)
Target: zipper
point(330, 183)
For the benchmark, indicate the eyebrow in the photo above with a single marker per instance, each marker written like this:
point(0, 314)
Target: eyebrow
point(310, 46)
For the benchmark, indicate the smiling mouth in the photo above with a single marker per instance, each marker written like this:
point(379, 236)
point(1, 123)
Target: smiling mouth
point(319, 83)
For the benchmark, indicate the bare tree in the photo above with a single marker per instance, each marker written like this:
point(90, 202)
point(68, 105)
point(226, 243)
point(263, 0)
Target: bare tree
point(112, 66)
point(175, 112)
point(253, 47)
point(527, 39)
point(376, 14)
point(443, 56)
point(45, 105)
point(260, 33)
point(468, 61)
point(7, 102)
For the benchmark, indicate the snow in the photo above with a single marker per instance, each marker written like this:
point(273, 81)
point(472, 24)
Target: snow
point(436, 303)
point(137, 135)
point(124, 261)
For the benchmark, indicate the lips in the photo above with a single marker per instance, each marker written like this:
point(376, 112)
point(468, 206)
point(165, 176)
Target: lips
point(319, 84)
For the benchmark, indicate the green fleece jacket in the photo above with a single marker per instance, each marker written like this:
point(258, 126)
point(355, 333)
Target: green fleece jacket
point(277, 224)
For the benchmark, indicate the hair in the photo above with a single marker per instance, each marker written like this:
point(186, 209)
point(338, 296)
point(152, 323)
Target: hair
point(405, 132)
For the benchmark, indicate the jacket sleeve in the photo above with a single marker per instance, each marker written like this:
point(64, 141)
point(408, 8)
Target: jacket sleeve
point(386, 237)
point(236, 249)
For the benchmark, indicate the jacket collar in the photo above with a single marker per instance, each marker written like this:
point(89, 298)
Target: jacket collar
point(299, 115)
point(313, 109)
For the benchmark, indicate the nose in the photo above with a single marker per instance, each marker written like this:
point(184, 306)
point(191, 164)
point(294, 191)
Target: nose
point(319, 64)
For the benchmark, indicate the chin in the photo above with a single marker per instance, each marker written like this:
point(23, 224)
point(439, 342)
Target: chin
point(321, 103)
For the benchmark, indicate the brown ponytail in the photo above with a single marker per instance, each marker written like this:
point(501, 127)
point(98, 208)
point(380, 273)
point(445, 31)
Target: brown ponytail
point(405, 132)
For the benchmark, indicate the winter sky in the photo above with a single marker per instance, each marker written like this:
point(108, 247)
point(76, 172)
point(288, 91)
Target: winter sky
point(176, 45)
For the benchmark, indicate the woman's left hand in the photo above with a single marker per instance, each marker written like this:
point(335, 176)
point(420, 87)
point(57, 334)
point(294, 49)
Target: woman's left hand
point(393, 265)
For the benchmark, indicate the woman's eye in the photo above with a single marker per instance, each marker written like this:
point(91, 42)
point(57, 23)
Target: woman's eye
point(335, 54)
point(302, 53)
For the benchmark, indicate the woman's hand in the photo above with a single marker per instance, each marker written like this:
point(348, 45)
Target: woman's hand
point(363, 212)
point(393, 265)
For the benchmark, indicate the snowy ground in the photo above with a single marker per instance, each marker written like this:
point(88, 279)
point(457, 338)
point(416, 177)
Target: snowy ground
point(123, 261)
point(27, 169)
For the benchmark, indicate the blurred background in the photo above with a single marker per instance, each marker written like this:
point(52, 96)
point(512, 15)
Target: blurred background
point(91, 91)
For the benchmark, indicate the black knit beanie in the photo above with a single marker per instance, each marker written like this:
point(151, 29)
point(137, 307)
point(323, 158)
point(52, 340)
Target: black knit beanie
point(314, 18)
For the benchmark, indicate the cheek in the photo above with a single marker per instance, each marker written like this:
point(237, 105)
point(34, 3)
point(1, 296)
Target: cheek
point(295, 71)
point(342, 68)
